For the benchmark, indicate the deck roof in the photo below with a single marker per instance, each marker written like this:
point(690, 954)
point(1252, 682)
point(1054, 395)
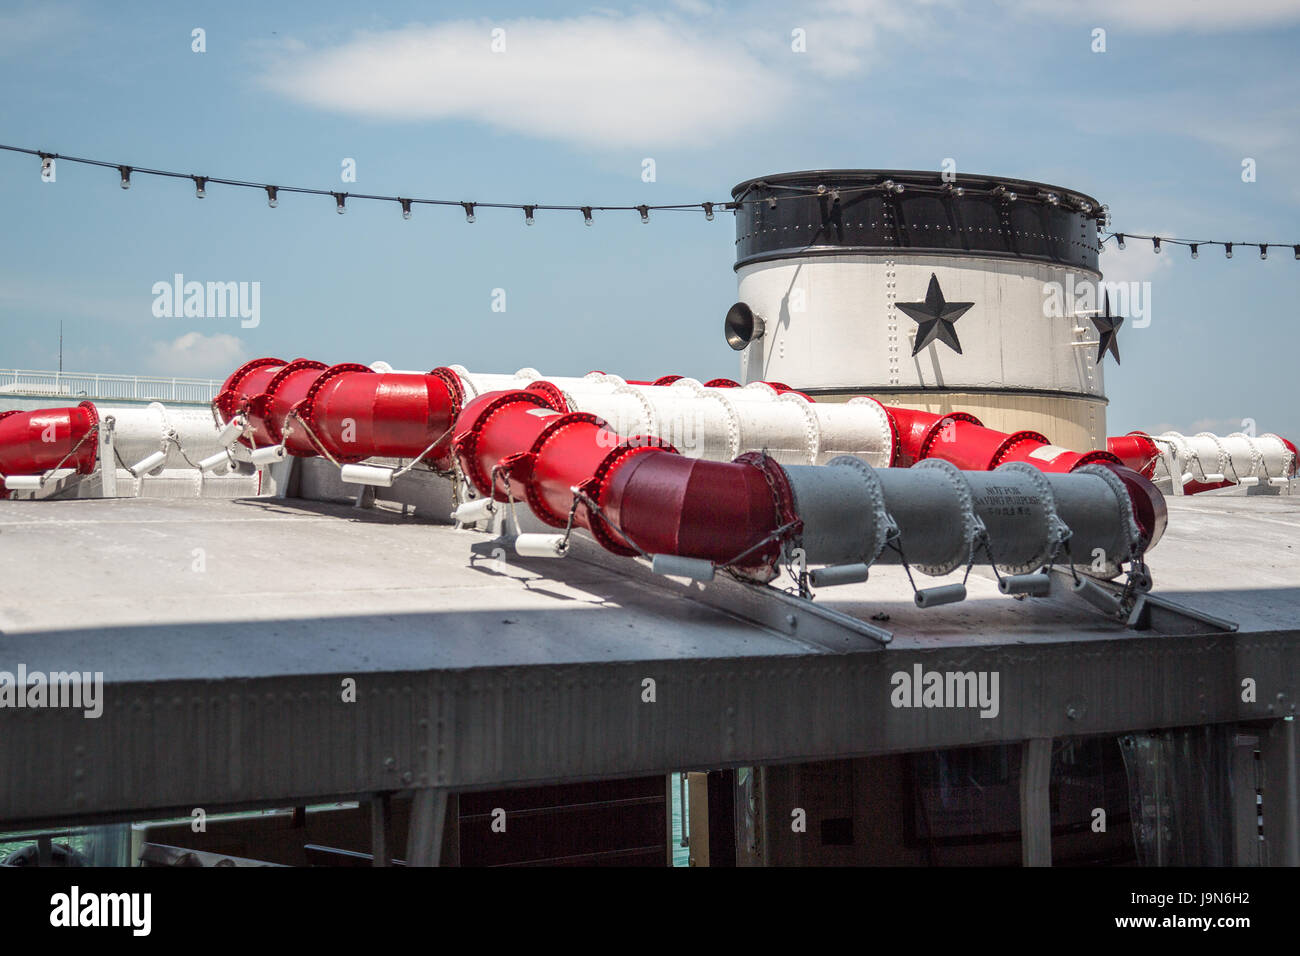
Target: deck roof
point(223, 630)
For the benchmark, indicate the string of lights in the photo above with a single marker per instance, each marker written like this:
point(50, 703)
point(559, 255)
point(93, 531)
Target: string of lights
point(273, 192)
point(1158, 242)
point(834, 195)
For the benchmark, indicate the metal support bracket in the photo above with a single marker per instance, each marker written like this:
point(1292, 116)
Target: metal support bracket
point(365, 497)
point(107, 458)
point(766, 606)
point(1151, 611)
point(428, 817)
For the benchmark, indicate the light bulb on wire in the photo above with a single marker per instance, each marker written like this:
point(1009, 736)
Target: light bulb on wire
point(1101, 213)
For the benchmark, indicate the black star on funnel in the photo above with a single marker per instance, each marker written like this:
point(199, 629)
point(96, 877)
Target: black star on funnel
point(1108, 332)
point(935, 317)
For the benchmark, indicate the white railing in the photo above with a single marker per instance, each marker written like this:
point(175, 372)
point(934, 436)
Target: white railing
point(79, 386)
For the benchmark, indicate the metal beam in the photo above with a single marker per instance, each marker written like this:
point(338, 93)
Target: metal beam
point(1281, 787)
point(236, 741)
point(381, 830)
point(428, 820)
point(1246, 847)
point(1035, 802)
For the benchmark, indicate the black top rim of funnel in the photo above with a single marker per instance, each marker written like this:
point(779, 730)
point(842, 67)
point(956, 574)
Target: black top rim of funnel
point(785, 216)
point(854, 178)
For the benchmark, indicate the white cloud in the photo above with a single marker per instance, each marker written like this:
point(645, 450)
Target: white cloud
point(843, 34)
point(1169, 16)
point(1138, 261)
point(689, 77)
point(196, 355)
point(597, 81)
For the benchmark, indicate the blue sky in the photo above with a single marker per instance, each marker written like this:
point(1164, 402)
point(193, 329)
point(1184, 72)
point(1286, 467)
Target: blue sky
point(1157, 127)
